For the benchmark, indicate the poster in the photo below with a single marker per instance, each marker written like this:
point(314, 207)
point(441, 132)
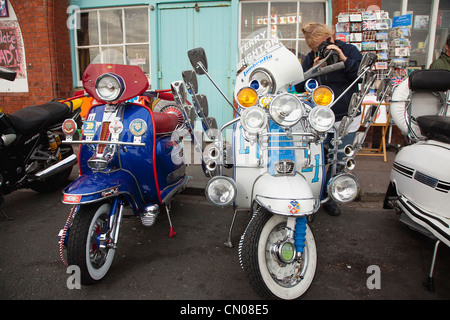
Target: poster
point(11, 48)
point(421, 22)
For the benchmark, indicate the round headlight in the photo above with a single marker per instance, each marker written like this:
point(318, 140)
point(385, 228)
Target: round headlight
point(247, 97)
point(254, 119)
point(286, 110)
point(221, 191)
point(323, 96)
point(262, 82)
point(343, 188)
point(321, 118)
point(109, 87)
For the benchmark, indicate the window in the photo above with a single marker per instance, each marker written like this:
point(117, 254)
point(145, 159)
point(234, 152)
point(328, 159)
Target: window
point(124, 29)
point(284, 19)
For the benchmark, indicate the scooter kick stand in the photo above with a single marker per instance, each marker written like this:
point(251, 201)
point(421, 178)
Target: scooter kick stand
point(429, 284)
point(172, 232)
point(229, 244)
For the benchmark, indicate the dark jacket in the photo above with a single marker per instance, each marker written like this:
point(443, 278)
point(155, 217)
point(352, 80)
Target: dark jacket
point(338, 81)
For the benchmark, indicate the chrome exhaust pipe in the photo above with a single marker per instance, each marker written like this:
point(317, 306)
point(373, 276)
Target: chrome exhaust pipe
point(349, 150)
point(350, 163)
point(57, 167)
point(213, 153)
point(211, 165)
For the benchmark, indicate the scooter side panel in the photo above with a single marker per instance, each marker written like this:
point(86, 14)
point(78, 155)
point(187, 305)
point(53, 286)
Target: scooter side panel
point(421, 174)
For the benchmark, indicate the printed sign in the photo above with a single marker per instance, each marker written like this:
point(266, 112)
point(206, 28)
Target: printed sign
point(11, 48)
point(402, 21)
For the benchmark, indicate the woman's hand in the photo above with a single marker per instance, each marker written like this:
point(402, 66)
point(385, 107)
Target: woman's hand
point(317, 60)
point(334, 47)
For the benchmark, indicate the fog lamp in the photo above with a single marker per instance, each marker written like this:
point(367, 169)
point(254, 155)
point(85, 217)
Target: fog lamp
point(323, 96)
point(343, 188)
point(321, 118)
point(286, 110)
point(247, 97)
point(254, 119)
point(221, 191)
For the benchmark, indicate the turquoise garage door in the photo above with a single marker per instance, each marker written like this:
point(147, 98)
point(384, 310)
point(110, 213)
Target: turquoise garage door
point(183, 26)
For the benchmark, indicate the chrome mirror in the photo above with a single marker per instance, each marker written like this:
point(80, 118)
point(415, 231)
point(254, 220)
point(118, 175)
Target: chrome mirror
point(179, 92)
point(345, 122)
point(368, 81)
point(382, 88)
point(368, 60)
point(190, 80)
point(198, 60)
point(203, 103)
point(353, 106)
point(191, 114)
point(358, 140)
point(369, 115)
point(212, 130)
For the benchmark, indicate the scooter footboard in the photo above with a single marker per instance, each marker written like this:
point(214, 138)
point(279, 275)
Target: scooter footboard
point(285, 195)
point(100, 186)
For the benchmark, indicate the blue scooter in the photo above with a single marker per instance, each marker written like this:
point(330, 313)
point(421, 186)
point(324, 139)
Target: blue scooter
point(126, 158)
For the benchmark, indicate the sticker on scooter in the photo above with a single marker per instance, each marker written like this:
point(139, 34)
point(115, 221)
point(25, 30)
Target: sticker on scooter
point(116, 127)
point(89, 128)
point(138, 127)
point(69, 126)
point(294, 207)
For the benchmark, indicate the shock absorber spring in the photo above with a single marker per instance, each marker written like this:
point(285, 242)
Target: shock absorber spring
point(52, 143)
point(300, 233)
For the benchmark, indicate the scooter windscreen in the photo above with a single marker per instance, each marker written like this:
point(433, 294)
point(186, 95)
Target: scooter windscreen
point(112, 78)
point(266, 65)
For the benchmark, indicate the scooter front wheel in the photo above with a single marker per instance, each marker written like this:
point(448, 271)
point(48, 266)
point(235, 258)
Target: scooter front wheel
point(88, 246)
point(270, 277)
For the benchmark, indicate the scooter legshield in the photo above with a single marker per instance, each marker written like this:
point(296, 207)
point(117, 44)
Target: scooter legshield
point(99, 186)
point(285, 195)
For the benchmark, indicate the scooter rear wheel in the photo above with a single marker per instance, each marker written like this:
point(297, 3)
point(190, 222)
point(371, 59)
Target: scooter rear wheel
point(268, 277)
point(85, 248)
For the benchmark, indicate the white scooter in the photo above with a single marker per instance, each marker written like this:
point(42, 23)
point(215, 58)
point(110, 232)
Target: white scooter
point(278, 161)
point(420, 177)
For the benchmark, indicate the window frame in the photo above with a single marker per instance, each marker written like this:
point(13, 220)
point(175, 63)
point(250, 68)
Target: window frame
point(101, 46)
point(298, 29)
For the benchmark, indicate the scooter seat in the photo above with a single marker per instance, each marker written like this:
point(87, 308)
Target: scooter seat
point(164, 122)
point(35, 118)
point(435, 127)
point(430, 80)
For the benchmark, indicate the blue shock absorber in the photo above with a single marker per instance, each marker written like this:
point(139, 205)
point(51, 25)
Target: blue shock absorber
point(300, 232)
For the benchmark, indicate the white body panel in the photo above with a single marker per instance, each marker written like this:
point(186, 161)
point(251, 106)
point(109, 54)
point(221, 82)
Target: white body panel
point(421, 174)
point(281, 63)
point(276, 192)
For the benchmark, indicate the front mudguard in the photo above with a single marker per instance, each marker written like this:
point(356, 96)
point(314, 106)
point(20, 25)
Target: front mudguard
point(285, 195)
point(99, 186)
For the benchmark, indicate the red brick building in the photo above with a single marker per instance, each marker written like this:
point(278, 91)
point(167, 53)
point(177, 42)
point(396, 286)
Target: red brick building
point(47, 52)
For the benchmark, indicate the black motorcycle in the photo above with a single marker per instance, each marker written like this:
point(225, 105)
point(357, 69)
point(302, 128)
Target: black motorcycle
point(31, 153)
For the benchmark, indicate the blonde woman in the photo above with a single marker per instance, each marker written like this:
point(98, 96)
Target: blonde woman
point(338, 81)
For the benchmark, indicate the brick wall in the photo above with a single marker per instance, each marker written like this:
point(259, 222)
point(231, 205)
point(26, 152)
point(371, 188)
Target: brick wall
point(47, 50)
